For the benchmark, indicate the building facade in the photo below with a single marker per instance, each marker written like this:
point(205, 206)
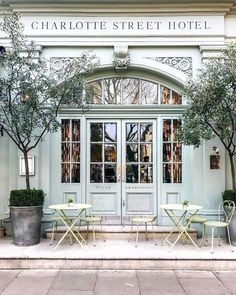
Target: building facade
point(120, 151)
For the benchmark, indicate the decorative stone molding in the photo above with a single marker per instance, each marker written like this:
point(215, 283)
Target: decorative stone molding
point(121, 57)
point(58, 64)
point(183, 64)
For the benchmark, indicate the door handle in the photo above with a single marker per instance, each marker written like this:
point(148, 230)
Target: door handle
point(123, 203)
point(123, 177)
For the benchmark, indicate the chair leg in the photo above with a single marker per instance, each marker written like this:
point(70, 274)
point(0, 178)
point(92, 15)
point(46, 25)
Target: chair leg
point(219, 241)
point(146, 231)
point(137, 234)
point(53, 232)
point(229, 239)
point(102, 232)
point(94, 238)
point(212, 239)
point(130, 231)
point(87, 230)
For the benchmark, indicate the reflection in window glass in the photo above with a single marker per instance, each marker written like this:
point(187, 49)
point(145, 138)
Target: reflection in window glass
point(110, 132)
point(146, 173)
point(131, 132)
point(96, 152)
point(110, 153)
point(146, 132)
point(131, 153)
point(70, 151)
point(149, 93)
point(112, 91)
point(165, 95)
point(132, 172)
point(96, 173)
point(146, 152)
point(110, 173)
point(94, 92)
point(96, 132)
point(130, 93)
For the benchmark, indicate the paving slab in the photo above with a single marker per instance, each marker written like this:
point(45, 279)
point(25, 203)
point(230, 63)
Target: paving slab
point(228, 278)
point(203, 286)
point(79, 280)
point(194, 274)
point(159, 282)
point(117, 283)
point(29, 286)
point(6, 277)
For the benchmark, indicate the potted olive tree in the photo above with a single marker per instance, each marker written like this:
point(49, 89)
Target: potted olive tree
point(30, 99)
point(211, 112)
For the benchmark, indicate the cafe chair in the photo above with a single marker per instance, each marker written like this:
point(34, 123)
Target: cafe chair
point(225, 213)
point(93, 220)
point(200, 218)
point(142, 221)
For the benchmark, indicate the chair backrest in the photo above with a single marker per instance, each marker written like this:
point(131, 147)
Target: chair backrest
point(226, 210)
point(203, 202)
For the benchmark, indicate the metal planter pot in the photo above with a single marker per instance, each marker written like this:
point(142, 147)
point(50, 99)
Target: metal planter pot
point(26, 225)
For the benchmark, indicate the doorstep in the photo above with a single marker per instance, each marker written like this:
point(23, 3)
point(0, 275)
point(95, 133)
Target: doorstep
point(115, 254)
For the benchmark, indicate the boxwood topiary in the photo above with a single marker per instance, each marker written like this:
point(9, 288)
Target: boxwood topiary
point(229, 195)
point(26, 197)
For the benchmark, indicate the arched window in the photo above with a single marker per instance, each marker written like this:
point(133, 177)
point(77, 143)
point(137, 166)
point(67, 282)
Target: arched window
point(128, 91)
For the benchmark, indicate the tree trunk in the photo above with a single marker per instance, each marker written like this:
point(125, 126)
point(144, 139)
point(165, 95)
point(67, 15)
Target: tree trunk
point(27, 181)
point(231, 159)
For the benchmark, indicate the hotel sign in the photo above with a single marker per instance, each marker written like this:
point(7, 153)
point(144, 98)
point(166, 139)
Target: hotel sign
point(123, 26)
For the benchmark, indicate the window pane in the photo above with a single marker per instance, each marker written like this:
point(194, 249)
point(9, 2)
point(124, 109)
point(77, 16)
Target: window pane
point(176, 98)
point(131, 153)
point(176, 126)
point(96, 132)
point(75, 130)
point(131, 132)
point(94, 92)
point(75, 154)
point(149, 93)
point(65, 130)
point(146, 152)
point(177, 173)
point(65, 173)
point(167, 173)
point(112, 91)
point(165, 95)
point(75, 173)
point(166, 152)
point(145, 132)
point(166, 130)
point(146, 173)
point(65, 152)
point(96, 152)
point(110, 153)
point(130, 91)
point(177, 152)
point(110, 173)
point(110, 132)
point(132, 173)
point(96, 173)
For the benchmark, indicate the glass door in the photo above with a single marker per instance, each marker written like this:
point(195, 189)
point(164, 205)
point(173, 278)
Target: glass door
point(121, 168)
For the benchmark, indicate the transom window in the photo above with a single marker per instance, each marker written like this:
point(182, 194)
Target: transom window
point(128, 91)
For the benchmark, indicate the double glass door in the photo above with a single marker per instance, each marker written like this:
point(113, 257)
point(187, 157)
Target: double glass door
point(121, 168)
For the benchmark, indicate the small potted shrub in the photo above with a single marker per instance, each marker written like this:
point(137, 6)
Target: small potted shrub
point(26, 210)
point(70, 202)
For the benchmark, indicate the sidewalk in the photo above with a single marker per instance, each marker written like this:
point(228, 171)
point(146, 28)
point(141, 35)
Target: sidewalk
point(115, 254)
point(92, 282)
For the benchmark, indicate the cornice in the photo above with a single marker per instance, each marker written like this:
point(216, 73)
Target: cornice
point(120, 6)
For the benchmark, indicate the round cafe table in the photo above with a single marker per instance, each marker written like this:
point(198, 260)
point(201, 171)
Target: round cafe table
point(63, 210)
point(178, 213)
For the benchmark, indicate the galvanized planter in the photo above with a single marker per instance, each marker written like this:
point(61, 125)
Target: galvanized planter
point(26, 225)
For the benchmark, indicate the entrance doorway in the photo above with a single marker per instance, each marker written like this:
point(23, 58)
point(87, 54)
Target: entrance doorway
point(121, 168)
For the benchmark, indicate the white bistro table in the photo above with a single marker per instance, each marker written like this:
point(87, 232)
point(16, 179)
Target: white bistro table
point(181, 216)
point(62, 210)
